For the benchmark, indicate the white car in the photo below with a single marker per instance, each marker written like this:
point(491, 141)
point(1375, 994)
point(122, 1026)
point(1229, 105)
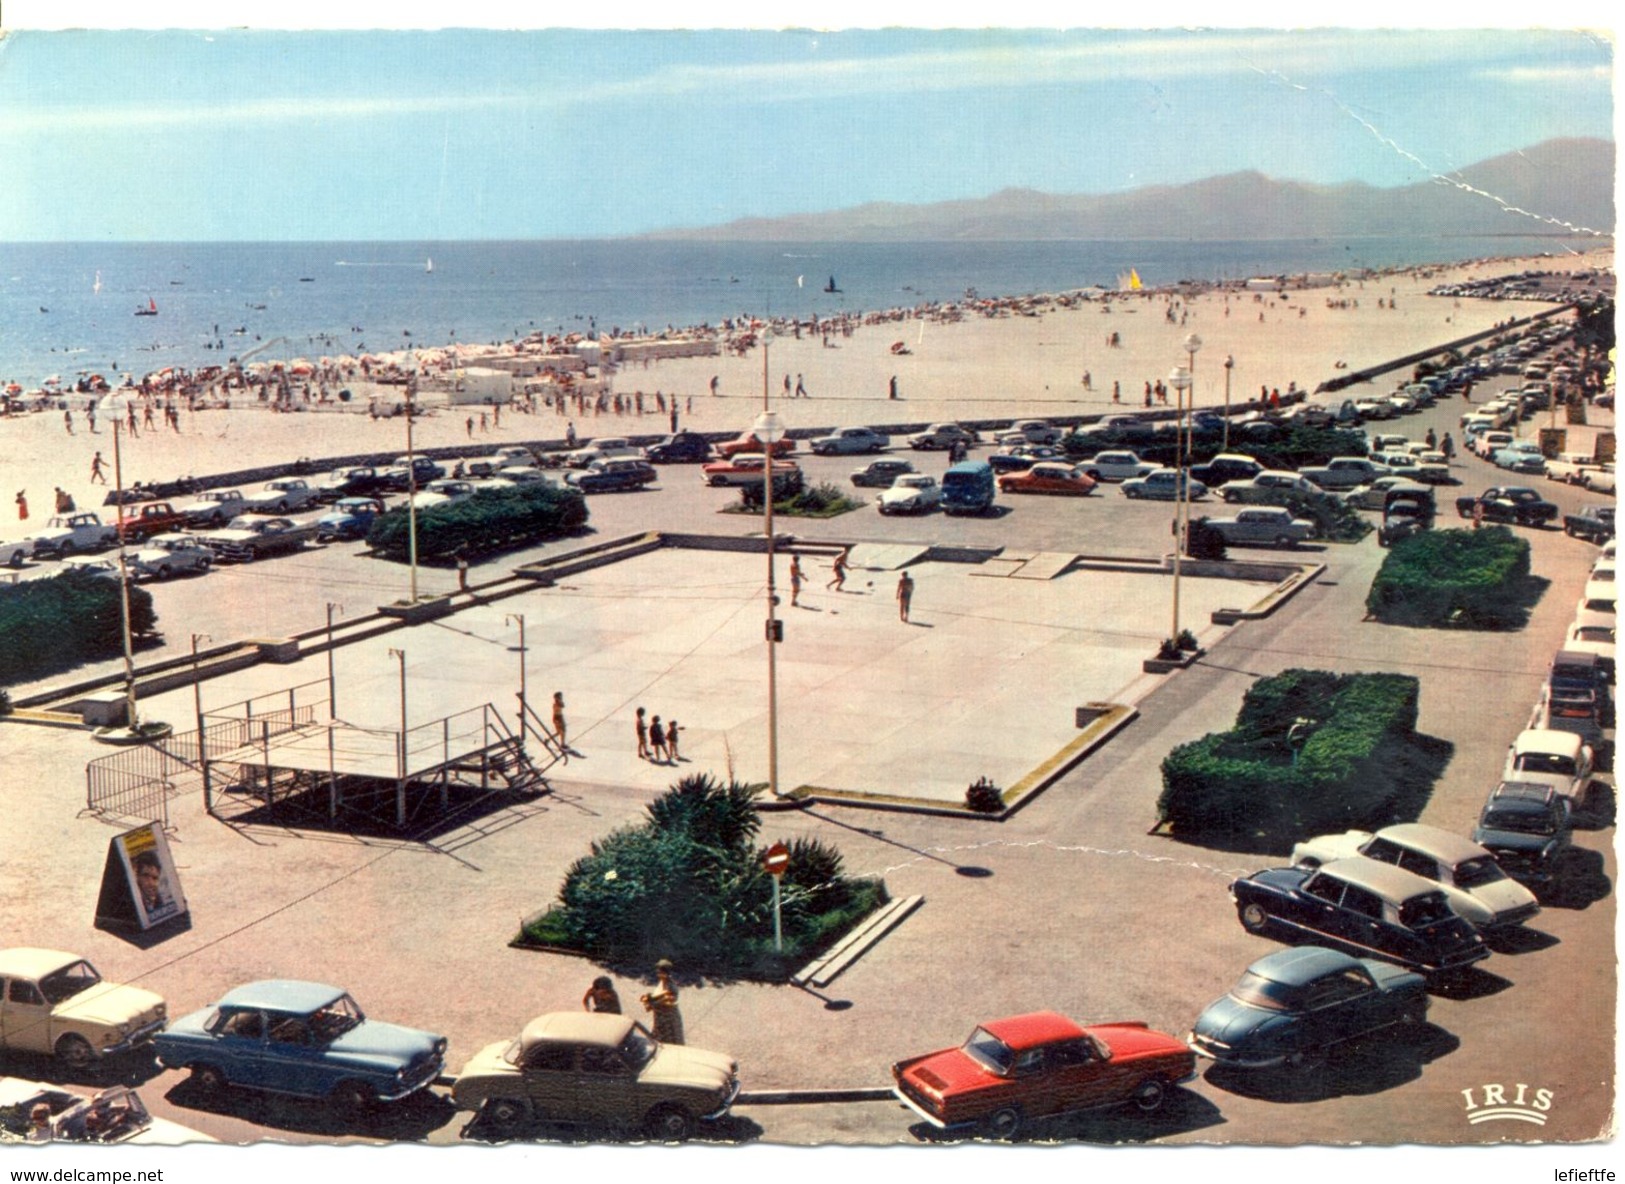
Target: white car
point(1594, 639)
point(447, 489)
point(166, 555)
point(600, 449)
point(1030, 431)
point(15, 554)
point(1560, 760)
point(912, 493)
point(55, 1003)
point(112, 1115)
point(215, 508)
point(1270, 480)
point(1116, 465)
point(67, 533)
point(1164, 485)
point(850, 441)
point(286, 496)
point(1478, 890)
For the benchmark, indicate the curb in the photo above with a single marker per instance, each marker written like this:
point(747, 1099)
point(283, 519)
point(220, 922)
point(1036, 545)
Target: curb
point(801, 1097)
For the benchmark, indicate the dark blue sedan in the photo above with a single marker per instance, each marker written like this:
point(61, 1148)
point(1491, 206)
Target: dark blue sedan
point(1291, 1006)
point(305, 1039)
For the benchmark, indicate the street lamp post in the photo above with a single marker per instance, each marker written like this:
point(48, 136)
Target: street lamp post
point(769, 430)
point(1180, 380)
point(1229, 365)
point(523, 702)
point(411, 494)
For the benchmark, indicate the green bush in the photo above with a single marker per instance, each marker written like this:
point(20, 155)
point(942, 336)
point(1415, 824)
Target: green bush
point(823, 500)
point(1470, 579)
point(1202, 541)
point(491, 520)
point(1297, 447)
point(58, 623)
point(688, 884)
point(1310, 752)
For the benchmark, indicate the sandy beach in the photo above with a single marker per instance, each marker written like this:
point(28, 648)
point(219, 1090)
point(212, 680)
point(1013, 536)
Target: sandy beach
point(980, 367)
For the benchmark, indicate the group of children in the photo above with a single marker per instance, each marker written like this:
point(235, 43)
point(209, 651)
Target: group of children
point(657, 741)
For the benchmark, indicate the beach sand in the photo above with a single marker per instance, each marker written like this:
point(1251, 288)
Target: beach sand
point(979, 368)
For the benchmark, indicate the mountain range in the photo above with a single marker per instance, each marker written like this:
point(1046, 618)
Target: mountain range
point(1565, 185)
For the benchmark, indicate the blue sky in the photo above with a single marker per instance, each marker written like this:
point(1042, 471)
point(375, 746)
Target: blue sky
point(470, 133)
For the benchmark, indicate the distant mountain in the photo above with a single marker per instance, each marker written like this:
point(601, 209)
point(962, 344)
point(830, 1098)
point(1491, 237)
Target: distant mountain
point(1566, 181)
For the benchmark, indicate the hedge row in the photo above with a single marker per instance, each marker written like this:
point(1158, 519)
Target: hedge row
point(58, 623)
point(1462, 578)
point(491, 520)
point(1350, 758)
point(1298, 446)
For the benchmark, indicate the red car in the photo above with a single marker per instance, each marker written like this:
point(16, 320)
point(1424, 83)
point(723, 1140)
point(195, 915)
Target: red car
point(1049, 477)
point(746, 442)
point(1034, 1066)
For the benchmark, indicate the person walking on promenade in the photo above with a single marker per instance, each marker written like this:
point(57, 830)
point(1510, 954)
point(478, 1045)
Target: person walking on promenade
point(1431, 440)
point(558, 726)
point(570, 434)
point(470, 427)
point(671, 739)
point(662, 1004)
point(22, 506)
point(601, 997)
point(146, 416)
point(715, 383)
point(1117, 392)
point(67, 420)
point(905, 595)
point(97, 467)
point(801, 391)
point(90, 418)
point(838, 582)
point(1448, 447)
point(643, 736)
point(64, 501)
point(893, 386)
point(657, 740)
point(1088, 381)
point(796, 577)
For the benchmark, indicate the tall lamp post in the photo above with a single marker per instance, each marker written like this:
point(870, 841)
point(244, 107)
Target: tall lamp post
point(1180, 379)
point(524, 722)
point(770, 430)
point(1229, 365)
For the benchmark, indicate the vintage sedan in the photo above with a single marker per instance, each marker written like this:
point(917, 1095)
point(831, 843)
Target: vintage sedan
point(55, 1003)
point(357, 481)
point(1478, 890)
point(1266, 485)
point(879, 474)
point(597, 1069)
point(1263, 526)
point(1290, 1007)
point(744, 468)
point(168, 555)
point(350, 518)
point(849, 441)
point(1049, 477)
point(1165, 485)
point(1039, 1065)
point(615, 475)
point(287, 495)
point(15, 554)
point(1361, 906)
point(1017, 458)
point(247, 539)
point(912, 493)
point(1526, 827)
point(113, 1115)
point(305, 1039)
point(1560, 760)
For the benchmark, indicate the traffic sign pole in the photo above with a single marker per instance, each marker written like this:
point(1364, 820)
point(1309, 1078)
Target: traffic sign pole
point(775, 861)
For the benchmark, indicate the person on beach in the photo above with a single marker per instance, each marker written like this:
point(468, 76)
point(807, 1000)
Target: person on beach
point(715, 383)
point(64, 501)
point(657, 740)
point(470, 427)
point(801, 390)
point(838, 582)
point(662, 1004)
point(97, 465)
point(601, 997)
point(558, 725)
point(90, 418)
point(22, 506)
point(67, 420)
point(643, 736)
point(1117, 392)
point(1448, 447)
point(905, 595)
point(893, 386)
point(796, 577)
point(1088, 381)
point(570, 434)
point(671, 739)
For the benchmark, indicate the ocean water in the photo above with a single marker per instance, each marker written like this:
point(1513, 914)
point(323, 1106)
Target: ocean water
point(68, 308)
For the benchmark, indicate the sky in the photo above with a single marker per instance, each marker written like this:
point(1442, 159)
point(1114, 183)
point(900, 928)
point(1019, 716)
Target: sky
point(426, 134)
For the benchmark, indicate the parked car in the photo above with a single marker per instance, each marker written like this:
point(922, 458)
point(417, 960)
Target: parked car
point(1478, 890)
point(1521, 456)
point(1344, 473)
point(1164, 485)
point(680, 448)
point(356, 481)
point(54, 1003)
point(16, 553)
point(1116, 465)
point(967, 488)
point(1266, 484)
point(305, 1039)
point(615, 474)
point(600, 449)
point(142, 522)
point(1265, 526)
point(849, 441)
point(744, 468)
point(408, 471)
point(1048, 477)
point(1594, 639)
point(1291, 1007)
point(1508, 503)
point(167, 555)
point(1525, 825)
point(350, 518)
point(112, 1115)
point(64, 534)
point(1576, 697)
point(597, 1069)
point(1375, 407)
point(943, 436)
point(912, 493)
point(1035, 1066)
point(1560, 760)
point(1226, 467)
point(747, 443)
point(248, 539)
point(443, 492)
point(879, 474)
point(216, 507)
point(1030, 431)
point(286, 496)
point(1016, 458)
point(1361, 906)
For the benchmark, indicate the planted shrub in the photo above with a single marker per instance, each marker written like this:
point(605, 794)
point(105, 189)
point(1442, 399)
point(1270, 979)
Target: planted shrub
point(491, 520)
point(688, 884)
point(1202, 541)
point(984, 797)
point(55, 624)
point(1311, 752)
point(1473, 579)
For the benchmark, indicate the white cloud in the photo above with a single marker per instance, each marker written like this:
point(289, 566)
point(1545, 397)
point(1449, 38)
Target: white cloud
point(1548, 75)
point(264, 111)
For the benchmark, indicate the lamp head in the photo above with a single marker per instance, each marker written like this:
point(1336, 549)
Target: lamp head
point(1179, 378)
point(1192, 343)
point(768, 428)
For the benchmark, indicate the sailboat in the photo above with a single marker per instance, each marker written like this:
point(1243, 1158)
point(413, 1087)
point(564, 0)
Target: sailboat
point(830, 287)
point(428, 265)
point(96, 288)
point(150, 311)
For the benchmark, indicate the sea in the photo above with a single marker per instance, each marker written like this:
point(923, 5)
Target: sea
point(68, 309)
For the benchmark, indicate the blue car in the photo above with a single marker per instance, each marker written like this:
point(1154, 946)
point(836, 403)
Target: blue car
point(1289, 1007)
point(305, 1039)
point(351, 518)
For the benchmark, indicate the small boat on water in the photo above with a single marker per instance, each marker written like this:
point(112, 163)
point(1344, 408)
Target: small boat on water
point(307, 279)
point(428, 265)
point(150, 311)
point(830, 287)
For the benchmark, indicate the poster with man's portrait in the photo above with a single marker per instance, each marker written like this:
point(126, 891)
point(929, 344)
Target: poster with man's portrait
point(154, 886)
